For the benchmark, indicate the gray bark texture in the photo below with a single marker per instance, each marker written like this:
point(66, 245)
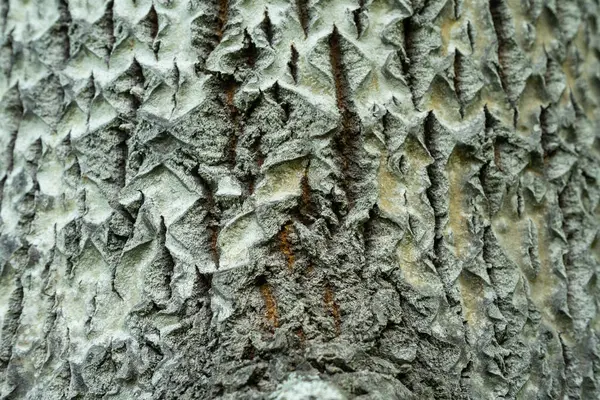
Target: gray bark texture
point(299, 199)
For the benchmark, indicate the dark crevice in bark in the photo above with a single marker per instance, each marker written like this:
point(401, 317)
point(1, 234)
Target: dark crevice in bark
point(498, 70)
point(459, 71)
point(471, 35)
point(113, 277)
point(4, 10)
point(155, 347)
point(498, 143)
point(160, 272)
point(2, 184)
point(408, 31)
point(490, 121)
point(32, 157)
point(483, 175)
point(150, 22)
point(347, 141)
point(90, 314)
point(207, 31)
point(357, 15)
point(465, 376)
point(150, 25)
point(572, 384)
point(203, 286)
point(549, 139)
point(487, 243)
point(435, 172)
point(259, 157)
point(11, 152)
point(82, 202)
point(293, 63)
point(134, 210)
point(249, 352)
point(271, 313)
point(285, 244)
point(109, 26)
point(137, 73)
point(303, 15)
point(306, 208)
point(368, 231)
point(72, 235)
point(176, 74)
point(572, 223)
point(515, 117)
point(534, 260)
point(156, 49)
point(437, 195)
point(490, 257)
point(15, 109)
point(339, 76)
point(267, 27)
point(333, 308)
point(45, 274)
point(28, 204)
point(122, 156)
point(501, 18)
point(65, 24)
point(50, 321)
point(87, 95)
point(249, 51)
point(520, 201)
point(285, 106)
point(213, 216)
point(9, 46)
point(340, 210)
point(11, 323)
point(176, 81)
point(69, 268)
point(579, 112)
point(301, 336)
point(457, 8)
point(222, 17)
point(228, 87)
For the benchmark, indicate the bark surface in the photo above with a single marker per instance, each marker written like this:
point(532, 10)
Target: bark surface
point(247, 199)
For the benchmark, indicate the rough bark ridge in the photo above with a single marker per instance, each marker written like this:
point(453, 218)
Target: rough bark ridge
point(283, 199)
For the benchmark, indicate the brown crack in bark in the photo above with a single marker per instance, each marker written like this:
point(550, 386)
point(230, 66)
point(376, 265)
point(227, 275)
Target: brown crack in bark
point(333, 308)
point(285, 244)
point(222, 16)
point(271, 313)
point(302, 8)
point(347, 141)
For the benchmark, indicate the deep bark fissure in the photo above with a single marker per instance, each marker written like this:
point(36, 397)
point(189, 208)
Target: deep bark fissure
point(347, 141)
point(267, 27)
point(303, 15)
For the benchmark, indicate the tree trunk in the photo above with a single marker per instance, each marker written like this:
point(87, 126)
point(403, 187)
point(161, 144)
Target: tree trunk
point(247, 199)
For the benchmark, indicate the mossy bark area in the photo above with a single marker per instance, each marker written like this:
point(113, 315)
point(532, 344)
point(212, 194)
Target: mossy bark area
point(283, 199)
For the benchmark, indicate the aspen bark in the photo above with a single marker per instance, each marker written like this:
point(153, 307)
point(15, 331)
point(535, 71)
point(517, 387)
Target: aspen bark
point(308, 199)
